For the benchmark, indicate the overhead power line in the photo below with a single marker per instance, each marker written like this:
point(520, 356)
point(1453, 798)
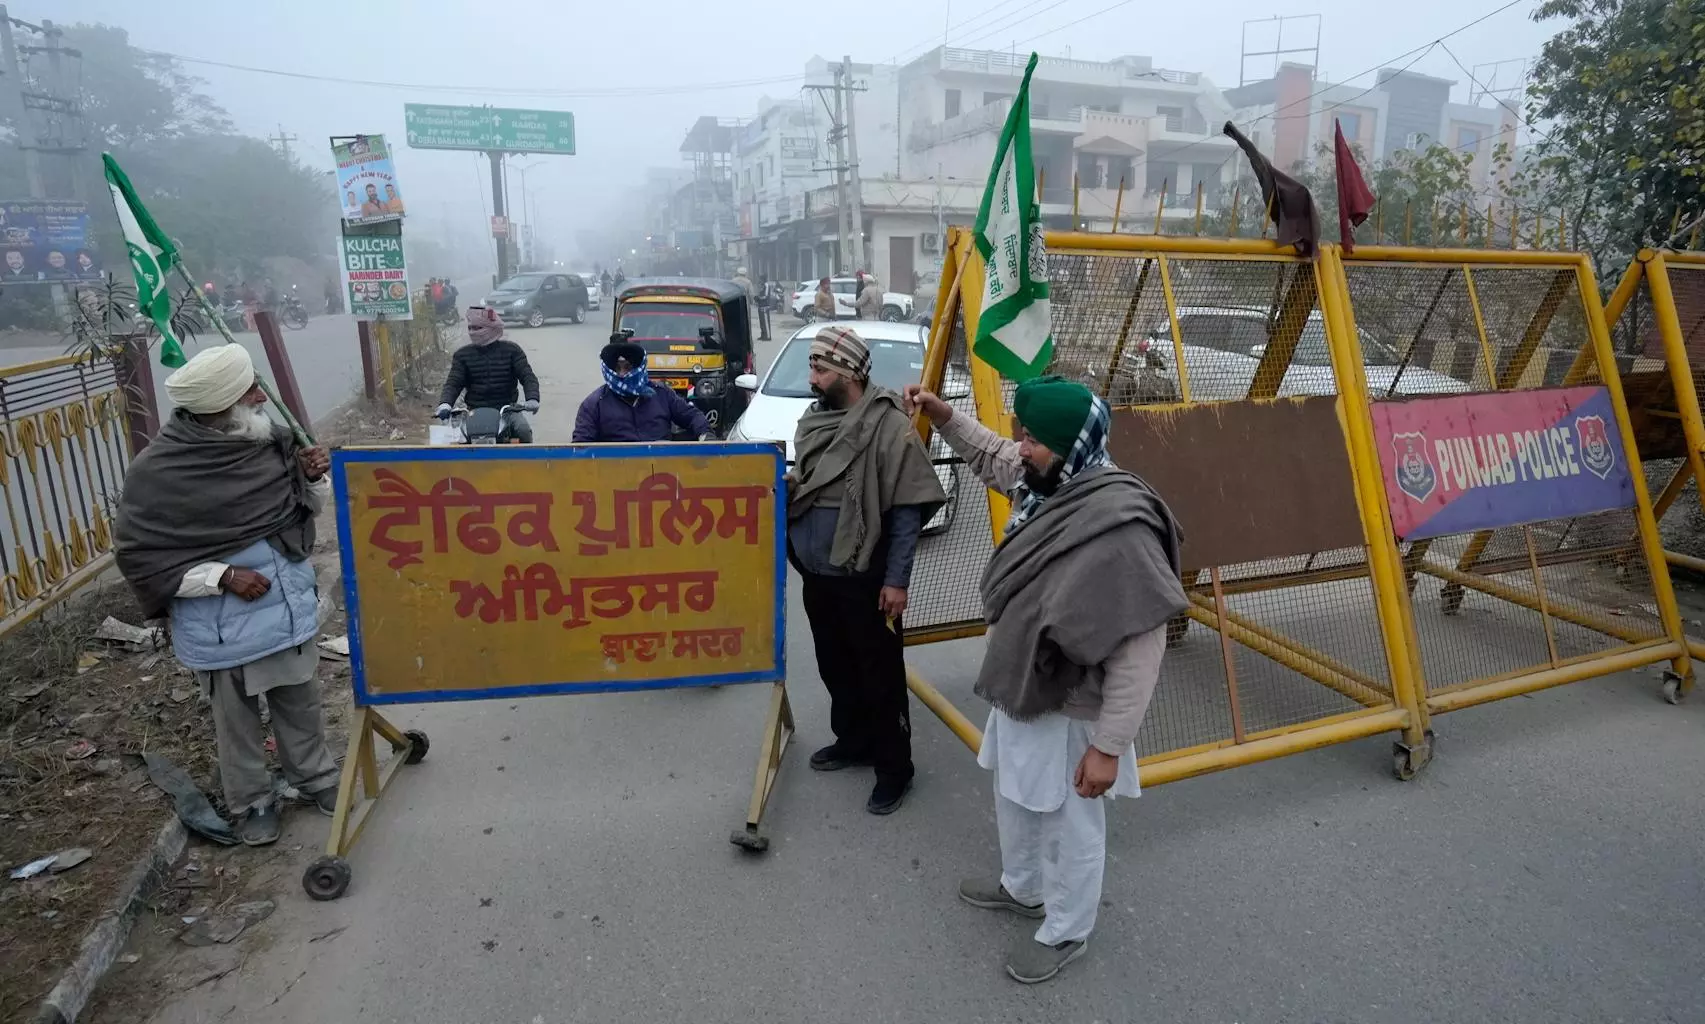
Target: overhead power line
point(489, 90)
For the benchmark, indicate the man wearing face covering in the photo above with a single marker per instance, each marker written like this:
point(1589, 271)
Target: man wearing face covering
point(858, 497)
point(1076, 598)
point(631, 408)
point(491, 368)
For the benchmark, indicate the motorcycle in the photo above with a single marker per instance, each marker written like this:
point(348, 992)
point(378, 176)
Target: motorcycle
point(475, 427)
point(448, 317)
point(294, 315)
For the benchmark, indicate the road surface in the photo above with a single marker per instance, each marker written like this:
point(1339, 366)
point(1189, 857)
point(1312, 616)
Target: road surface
point(565, 859)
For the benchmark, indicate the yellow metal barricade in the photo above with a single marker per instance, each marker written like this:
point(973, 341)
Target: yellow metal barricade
point(1310, 620)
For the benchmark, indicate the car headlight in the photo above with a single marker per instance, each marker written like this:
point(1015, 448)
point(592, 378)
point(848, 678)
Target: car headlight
point(518, 303)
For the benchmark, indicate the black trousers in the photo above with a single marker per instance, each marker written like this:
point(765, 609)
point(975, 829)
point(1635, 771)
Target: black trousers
point(862, 663)
point(763, 321)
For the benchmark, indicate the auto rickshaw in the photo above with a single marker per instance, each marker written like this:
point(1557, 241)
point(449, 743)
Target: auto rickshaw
point(697, 338)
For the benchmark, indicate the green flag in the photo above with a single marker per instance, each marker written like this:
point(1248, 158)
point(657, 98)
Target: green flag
point(152, 255)
point(1014, 330)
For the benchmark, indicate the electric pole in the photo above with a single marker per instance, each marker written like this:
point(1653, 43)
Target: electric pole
point(497, 181)
point(283, 140)
point(839, 133)
point(857, 190)
point(14, 93)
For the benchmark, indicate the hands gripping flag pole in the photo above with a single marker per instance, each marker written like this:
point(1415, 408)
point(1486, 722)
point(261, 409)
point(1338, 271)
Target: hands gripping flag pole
point(153, 255)
point(1014, 330)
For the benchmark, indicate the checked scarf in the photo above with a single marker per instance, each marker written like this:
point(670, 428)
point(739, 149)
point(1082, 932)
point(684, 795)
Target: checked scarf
point(1088, 451)
point(633, 384)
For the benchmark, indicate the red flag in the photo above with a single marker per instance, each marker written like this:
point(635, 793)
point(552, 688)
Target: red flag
point(1355, 199)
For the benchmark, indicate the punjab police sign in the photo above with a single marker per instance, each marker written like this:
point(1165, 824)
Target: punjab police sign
point(376, 276)
point(504, 571)
point(1478, 462)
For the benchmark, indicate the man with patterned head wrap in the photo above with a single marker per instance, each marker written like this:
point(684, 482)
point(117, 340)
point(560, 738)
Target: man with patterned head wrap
point(1076, 598)
point(215, 526)
point(491, 369)
point(631, 408)
point(861, 490)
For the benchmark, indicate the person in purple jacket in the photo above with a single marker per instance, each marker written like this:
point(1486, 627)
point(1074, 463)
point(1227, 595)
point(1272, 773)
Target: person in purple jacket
point(629, 408)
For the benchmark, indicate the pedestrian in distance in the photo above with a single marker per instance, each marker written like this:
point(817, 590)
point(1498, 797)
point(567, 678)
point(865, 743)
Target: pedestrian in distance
point(1076, 598)
point(766, 302)
point(490, 369)
point(215, 526)
point(824, 302)
point(869, 300)
point(858, 497)
point(628, 407)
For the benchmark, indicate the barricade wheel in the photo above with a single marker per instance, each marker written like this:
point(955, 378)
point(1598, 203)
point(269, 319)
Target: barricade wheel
point(1672, 688)
point(326, 879)
point(418, 745)
point(1407, 761)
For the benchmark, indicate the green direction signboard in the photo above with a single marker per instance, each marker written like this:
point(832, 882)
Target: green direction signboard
point(489, 128)
point(377, 277)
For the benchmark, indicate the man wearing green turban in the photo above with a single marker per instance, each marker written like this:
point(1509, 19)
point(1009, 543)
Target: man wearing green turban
point(1076, 598)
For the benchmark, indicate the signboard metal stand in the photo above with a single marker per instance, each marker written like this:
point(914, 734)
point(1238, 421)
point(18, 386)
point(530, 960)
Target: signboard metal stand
point(328, 876)
point(778, 730)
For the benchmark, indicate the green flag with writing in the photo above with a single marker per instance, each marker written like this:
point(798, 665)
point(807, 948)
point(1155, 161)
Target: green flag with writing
point(1014, 329)
point(152, 255)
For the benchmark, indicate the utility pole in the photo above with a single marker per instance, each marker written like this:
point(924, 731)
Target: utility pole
point(852, 169)
point(839, 132)
point(283, 140)
point(15, 102)
point(497, 178)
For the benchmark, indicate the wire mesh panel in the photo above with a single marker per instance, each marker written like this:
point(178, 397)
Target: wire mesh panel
point(947, 571)
point(1283, 629)
point(1521, 592)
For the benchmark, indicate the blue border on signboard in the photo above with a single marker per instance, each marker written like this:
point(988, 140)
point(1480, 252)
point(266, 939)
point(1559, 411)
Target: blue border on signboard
point(342, 458)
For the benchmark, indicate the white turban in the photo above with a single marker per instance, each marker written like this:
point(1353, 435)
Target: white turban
point(213, 380)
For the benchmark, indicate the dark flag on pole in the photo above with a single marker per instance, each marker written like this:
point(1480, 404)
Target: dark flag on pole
point(1287, 200)
point(1355, 199)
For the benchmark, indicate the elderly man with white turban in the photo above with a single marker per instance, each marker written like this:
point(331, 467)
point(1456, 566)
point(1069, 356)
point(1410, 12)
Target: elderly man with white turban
point(215, 526)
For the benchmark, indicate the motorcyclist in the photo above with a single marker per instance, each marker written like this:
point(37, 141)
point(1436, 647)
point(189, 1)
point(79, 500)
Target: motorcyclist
point(489, 368)
point(629, 407)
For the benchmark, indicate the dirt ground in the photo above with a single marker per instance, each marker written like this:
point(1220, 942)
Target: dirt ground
point(76, 714)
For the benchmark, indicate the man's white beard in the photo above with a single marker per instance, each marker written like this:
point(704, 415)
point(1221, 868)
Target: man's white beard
point(249, 422)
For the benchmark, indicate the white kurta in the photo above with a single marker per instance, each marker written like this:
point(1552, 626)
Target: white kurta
point(1053, 842)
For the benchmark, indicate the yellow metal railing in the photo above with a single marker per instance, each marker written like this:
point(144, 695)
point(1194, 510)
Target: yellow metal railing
point(64, 447)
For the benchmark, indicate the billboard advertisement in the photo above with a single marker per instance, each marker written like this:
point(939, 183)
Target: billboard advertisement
point(376, 276)
point(46, 241)
point(367, 187)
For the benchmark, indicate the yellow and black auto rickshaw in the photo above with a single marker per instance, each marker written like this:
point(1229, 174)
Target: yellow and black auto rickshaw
point(697, 338)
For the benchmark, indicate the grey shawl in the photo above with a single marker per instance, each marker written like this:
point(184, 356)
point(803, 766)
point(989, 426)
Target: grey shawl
point(875, 453)
point(1096, 564)
point(198, 494)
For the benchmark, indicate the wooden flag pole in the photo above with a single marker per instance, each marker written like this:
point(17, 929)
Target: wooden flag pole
point(302, 436)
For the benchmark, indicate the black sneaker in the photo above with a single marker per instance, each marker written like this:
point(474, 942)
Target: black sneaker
point(259, 826)
point(326, 801)
point(834, 757)
point(888, 795)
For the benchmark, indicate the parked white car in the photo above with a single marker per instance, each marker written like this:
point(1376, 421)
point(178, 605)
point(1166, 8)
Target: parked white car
point(896, 359)
point(594, 291)
point(895, 306)
point(1223, 347)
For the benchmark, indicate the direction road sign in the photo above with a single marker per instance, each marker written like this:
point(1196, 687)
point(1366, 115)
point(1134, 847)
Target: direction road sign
point(489, 128)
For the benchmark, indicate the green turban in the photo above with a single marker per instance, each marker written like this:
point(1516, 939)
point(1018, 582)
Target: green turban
point(1053, 410)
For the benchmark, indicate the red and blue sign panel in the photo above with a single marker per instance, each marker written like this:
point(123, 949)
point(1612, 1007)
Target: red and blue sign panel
point(1461, 463)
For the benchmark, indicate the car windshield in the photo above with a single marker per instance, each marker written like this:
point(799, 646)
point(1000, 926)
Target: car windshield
point(521, 283)
point(893, 364)
point(664, 321)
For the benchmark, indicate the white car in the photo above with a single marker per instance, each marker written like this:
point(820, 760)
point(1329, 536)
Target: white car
point(896, 359)
point(1223, 347)
point(594, 292)
point(895, 306)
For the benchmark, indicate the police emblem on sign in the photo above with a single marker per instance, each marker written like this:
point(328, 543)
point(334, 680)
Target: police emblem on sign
point(1596, 453)
point(1415, 474)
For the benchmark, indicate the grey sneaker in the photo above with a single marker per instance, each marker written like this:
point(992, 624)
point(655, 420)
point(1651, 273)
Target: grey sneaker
point(1031, 962)
point(993, 896)
point(259, 826)
point(325, 800)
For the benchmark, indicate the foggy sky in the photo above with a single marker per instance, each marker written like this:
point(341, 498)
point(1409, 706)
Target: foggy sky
point(538, 47)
